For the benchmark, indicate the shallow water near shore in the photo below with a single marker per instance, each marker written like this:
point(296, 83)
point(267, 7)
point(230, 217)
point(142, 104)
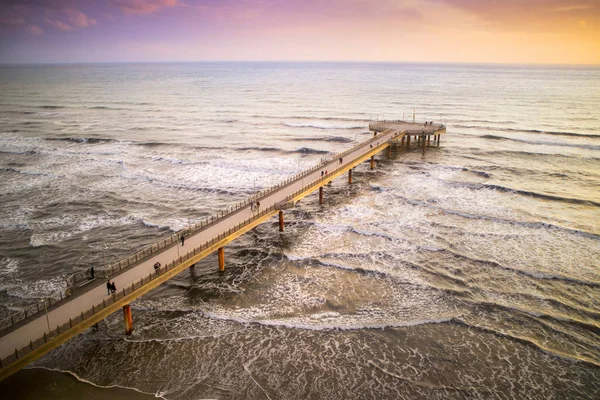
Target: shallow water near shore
point(472, 271)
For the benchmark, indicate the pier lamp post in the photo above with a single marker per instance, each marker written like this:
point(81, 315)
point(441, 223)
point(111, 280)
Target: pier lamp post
point(47, 318)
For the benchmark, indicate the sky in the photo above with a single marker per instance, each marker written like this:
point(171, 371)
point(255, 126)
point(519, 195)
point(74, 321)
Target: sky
point(458, 31)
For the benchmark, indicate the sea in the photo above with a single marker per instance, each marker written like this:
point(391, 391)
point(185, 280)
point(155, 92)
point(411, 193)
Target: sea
point(471, 271)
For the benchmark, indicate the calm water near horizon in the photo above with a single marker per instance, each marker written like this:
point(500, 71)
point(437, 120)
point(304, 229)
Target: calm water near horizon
point(472, 271)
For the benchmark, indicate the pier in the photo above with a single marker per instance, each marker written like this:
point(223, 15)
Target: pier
point(41, 327)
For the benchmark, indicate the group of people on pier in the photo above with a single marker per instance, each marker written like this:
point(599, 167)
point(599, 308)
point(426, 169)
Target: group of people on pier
point(112, 288)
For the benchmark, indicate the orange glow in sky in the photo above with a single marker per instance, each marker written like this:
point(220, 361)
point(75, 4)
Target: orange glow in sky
point(508, 31)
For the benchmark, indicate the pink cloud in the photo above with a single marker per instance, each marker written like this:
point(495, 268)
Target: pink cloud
point(75, 19)
point(79, 19)
point(59, 24)
point(35, 30)
point(143, 6)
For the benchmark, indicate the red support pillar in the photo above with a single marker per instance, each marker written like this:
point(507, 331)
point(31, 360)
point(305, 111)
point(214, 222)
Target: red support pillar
point(350, 175)
point(128, 319)
point(372, 162)
point(221, 255)
point(280, 221)
point(321, 195)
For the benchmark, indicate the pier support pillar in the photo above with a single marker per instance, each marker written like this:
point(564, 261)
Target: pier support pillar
point(280, 221)
point(221, 255)
point(423, 143)
point(428, 139)
point(372, 162)
point(350, 175)
point(408, 141)
point(321, 195)
point(128, 319)
point(389, 151)
point(439, 136)
point(402, 144)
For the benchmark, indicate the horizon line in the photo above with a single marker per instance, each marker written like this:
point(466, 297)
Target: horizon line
point(301, 62)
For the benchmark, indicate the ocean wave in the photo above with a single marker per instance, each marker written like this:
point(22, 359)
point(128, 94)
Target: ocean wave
point(498, 129)
point(173, 160)
point(109, 108)
point(24, 152)
point(582, 146)
point(527, 341)
point(541, 317)
point(173, 185)
point(531, 274)
point(312, 324)
point(83, 140)
point(306, 150)
point(335, 139)
point(322, 126)
point(311, 117)
point(51, 107)
point(32, 173)
point(528, 224)
point(268, 149)
point(479, 186)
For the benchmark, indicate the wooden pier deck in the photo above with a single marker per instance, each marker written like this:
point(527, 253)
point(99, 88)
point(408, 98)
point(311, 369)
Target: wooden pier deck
point(23, 341)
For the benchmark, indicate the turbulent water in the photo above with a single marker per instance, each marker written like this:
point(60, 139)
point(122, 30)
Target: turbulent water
point(472, 271)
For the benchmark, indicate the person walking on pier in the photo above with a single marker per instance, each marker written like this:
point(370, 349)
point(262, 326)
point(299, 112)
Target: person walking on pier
point(182, 238)
point(156, 266)
point(113, 287)
point(251, 205)
point(257, 206)
point(108, 286)
point(92, 273)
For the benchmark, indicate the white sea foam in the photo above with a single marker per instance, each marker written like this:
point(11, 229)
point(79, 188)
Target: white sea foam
point(323, 125)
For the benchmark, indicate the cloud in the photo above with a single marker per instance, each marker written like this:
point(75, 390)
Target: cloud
point(59, 24)
point(531, 16)
point(79, 19)
point(519, 9)
point(143, 6)
point(74, 19)
point(35, 30)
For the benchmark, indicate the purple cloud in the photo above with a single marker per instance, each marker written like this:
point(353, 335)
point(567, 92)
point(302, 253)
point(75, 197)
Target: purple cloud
point(35, 30)
point(143, 6)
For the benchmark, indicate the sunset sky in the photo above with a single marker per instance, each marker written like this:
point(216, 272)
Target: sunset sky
point(487, 31)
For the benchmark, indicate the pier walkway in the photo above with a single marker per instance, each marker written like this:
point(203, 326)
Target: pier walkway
point(24, 338)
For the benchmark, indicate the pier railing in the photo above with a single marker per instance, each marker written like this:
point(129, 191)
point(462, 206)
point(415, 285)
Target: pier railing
point(171, 240)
